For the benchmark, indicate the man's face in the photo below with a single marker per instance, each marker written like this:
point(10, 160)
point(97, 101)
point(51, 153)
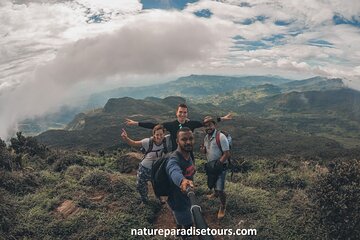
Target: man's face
point(185, 141)
point(158, 136)
point(209, 127)
point(182, 114)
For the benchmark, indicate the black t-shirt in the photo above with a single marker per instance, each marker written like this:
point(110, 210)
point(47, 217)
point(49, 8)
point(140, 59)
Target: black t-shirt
point(173, 127)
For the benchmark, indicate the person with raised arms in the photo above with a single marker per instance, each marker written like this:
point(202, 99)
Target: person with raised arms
point(154, 147)
point(173, 126)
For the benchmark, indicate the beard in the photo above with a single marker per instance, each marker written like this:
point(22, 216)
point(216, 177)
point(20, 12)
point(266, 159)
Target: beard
point(188, 148)
point(210, 131)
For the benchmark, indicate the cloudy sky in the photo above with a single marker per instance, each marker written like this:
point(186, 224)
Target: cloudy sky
point(53, 50)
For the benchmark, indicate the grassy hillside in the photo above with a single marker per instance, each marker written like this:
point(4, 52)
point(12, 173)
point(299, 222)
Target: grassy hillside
point(334, 114)
point(48, 194)
point(295, 156)
point(310, 123)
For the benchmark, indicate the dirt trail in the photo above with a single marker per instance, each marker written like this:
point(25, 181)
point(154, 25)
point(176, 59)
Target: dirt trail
point(165, 220)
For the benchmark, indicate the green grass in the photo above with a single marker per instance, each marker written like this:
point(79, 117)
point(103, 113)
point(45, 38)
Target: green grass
point(270, 197)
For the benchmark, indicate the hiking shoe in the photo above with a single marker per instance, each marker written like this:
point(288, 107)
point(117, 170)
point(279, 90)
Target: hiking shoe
point(211, 196)
point(221, 213)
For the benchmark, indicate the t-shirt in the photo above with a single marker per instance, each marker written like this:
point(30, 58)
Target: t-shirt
point(156, 152)
point(177, 168)
point(213, 152)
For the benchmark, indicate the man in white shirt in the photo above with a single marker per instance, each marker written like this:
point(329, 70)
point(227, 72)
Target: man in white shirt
point(216, 147)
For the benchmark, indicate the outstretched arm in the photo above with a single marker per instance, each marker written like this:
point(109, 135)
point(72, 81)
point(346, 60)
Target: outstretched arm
point(199, 124)
point(148, 125)
point(228, 116)
point(130, 122)
point(129, 141)
point(174, 171)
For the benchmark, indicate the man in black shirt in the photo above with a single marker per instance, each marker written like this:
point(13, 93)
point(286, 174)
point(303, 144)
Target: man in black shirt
point(173, 126)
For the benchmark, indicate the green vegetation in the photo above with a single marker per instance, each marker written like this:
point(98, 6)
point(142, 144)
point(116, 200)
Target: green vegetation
point(296, 148)
point(83, 196)
point(69, 196)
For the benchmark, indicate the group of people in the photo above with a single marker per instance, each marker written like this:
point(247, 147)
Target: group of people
point(180, 166)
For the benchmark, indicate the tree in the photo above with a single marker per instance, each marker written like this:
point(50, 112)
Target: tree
point(22, 144)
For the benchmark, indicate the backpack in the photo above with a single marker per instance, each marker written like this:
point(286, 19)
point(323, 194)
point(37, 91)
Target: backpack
point(160, 180)
point(227, 135)
point(229, 138)
point(151, 145)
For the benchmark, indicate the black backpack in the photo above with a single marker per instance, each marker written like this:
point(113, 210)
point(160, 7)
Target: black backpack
point(161, 183)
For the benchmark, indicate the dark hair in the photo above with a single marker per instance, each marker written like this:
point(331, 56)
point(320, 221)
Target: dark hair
point(158, 127)
point(209, 119)
point(181, 105)
point(183, 129)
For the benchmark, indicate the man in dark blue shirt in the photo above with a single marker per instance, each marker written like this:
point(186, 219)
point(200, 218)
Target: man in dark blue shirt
point(181, 169)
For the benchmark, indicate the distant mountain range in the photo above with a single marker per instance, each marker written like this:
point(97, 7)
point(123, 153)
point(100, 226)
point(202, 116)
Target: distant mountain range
point(241, 96)
point(271, 120)
point(199, 89)
point(193, 86)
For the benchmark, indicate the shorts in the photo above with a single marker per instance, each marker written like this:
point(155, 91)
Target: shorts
point(220, 182)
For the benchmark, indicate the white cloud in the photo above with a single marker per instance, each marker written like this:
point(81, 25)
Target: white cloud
point(123, 5)
point(148, 44)
point(57, 45)
point(32, 33)
point(308, 24)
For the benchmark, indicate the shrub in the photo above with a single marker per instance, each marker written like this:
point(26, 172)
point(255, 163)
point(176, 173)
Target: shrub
point(52, 158)
point(19, 182)
point(336, 196)
point(98, 179)
point(6, 160)
point(122, 186)
point(7, 213)
point(75, 172)
point(64, 162)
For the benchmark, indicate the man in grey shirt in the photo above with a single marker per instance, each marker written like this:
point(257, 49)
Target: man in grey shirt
point(216, 147)
point(155, 147)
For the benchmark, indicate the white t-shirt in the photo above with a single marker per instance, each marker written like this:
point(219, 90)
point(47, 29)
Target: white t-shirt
point(156, 152)
point(213, 151)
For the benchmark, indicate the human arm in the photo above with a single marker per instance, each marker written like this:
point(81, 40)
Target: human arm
point(198, 124)
point(128, 140)
point(202, 148)
point(228, 116)
point(225, 156)
point(130, 122)
point(176, 175)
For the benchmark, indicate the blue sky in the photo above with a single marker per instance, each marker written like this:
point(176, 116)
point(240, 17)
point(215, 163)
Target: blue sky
point(161, 4)
point(59, 50)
